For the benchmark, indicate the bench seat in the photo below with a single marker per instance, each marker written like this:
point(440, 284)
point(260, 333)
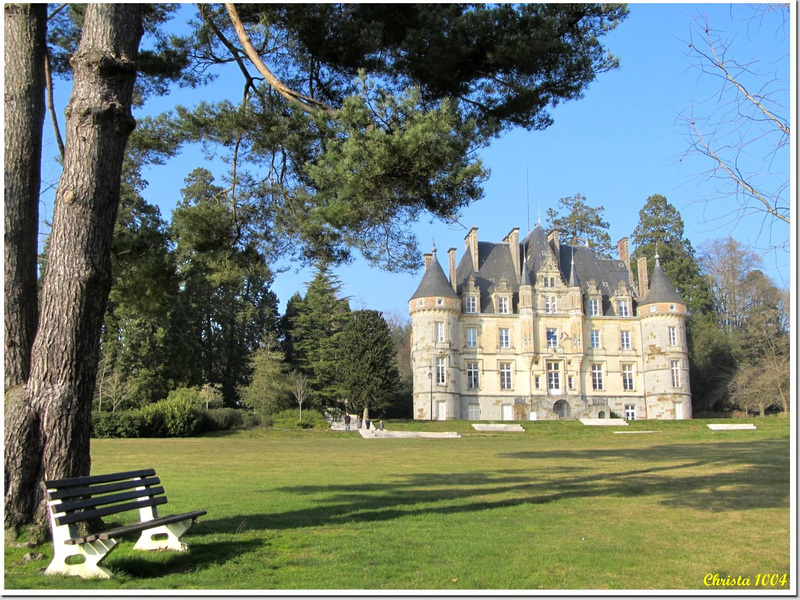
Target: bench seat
point(87, 499)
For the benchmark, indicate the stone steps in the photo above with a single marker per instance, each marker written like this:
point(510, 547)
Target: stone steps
point(498, 427)
point(604, 422)
point(377, 433)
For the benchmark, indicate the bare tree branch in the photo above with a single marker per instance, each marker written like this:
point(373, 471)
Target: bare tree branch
point(741, 126)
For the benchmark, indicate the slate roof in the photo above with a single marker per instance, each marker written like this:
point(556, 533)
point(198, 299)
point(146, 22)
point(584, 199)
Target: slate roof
point(494, 262)
point(577, 265)
point(434, 283)
point(661, 289)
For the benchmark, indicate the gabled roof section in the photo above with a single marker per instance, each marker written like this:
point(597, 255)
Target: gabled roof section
point(494, 263)
point(661, 289)
point(606, 272)
point(434, 283)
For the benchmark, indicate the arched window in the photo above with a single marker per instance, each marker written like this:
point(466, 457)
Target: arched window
point(561, 408)
point(602, 414)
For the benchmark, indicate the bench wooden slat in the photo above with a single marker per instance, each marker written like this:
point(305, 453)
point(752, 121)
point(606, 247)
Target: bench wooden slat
point(136, 527)
point(65, 493)
point(91, 479)
point(106, 499)
point(86, 515)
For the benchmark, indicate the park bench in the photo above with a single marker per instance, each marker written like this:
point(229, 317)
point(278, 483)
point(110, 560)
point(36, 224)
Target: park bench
point(87, 499)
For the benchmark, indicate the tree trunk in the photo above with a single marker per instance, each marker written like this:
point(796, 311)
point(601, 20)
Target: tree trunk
point(25, 33)
point(78, 277)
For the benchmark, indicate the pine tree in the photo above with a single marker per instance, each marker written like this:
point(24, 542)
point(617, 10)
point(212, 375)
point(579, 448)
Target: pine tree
point(580, 224)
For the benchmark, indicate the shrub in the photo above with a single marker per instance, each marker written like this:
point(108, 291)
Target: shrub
point(177, 416)
point(220, 419)
point(119, 424)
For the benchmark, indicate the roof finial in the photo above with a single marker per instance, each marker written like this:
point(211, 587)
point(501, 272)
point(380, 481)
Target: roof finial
point(658, 258)
point(573, 276)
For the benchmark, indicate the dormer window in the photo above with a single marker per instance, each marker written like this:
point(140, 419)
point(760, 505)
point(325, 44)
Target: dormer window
point(623, 308)
point(503, 305)
point(549, 282)
point(594, 307)
point(471, 304)
point(550, 305)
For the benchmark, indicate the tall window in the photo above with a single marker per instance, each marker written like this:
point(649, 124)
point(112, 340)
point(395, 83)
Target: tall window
point(471, 304)
point(550, 305)
point(439, 331)
point(673, 336)
point(594, 307)
point(627, 378)
point(597, 377)
point(594, 339)
point(474, 412)
point(503, 306)
point(630, 412)
point(472, 337)
point(675, 366)
point(552, 338)
point(505, 376)
point(625, 340)
point(624, 308)
point(473, 380)
point(553, 377)
point(440, 371)
point(505, 338)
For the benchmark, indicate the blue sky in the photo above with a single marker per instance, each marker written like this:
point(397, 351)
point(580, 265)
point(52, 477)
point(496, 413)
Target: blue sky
point(618, 145)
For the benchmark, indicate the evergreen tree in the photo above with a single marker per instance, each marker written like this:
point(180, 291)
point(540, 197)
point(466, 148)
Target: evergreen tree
point(579, 224)
point(226, 305)
point(135, 345)
point(367, 364)
point(660, 231)
point(287, 326)
point(315, 333)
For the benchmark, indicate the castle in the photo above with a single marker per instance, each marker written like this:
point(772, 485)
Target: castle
point(543, 330)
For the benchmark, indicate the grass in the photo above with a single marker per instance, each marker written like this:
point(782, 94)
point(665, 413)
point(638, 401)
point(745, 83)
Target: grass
point(559, 507)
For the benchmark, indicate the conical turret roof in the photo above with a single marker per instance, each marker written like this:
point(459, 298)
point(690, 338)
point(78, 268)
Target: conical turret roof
point(434, 283)
point(661, 288)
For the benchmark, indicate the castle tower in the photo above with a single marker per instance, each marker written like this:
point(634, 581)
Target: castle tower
point(435, 308)
point(662, 314)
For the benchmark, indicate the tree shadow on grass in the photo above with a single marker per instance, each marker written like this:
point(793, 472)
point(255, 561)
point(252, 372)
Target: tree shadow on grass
point(720, 477)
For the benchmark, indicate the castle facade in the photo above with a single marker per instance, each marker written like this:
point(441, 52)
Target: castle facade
point(537, 329)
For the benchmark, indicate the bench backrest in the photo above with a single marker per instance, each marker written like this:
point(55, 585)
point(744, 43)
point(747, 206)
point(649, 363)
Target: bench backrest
point(84, 498)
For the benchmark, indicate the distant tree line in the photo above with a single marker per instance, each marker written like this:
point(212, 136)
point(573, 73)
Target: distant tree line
point(190, 308)
point(738, 322)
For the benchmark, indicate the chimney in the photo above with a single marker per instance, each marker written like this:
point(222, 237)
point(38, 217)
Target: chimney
point(644, 282)
point(512, 239)
point(624, 252)
point(428, 258)
point(555, 245)
point(472, 246)
point(451, 254)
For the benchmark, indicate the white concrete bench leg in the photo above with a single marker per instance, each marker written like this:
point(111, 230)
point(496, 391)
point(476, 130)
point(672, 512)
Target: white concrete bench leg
point(81, 560)
point(165, 537)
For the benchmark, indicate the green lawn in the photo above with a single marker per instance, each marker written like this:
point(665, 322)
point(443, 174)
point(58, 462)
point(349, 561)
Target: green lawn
point(561, 506)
